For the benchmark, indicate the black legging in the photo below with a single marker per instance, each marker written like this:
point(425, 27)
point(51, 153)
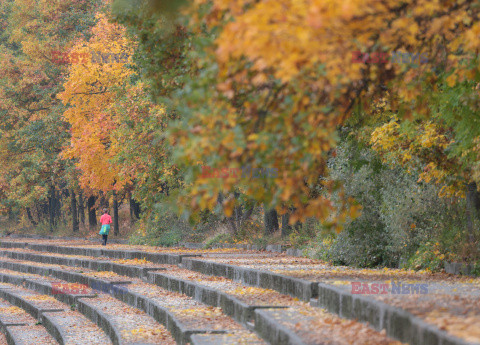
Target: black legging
point(104, 239)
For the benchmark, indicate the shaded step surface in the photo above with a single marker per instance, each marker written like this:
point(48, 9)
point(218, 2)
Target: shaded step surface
point(122, 323)
point(72, 328)
point(218, 291)
point(236, 299)
point(62, 324)
point(239, 338)
point(299, 277)
point(21, 328)
point(198, 318)
point(181, 315)
point(125, 324)
point(312, 326)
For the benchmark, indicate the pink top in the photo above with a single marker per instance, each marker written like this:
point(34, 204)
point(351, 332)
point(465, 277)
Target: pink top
point(106, 219)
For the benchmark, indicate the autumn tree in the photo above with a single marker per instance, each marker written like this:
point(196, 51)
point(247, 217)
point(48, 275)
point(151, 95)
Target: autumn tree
point(270, 82)
point(31, 126)
point(90, 94)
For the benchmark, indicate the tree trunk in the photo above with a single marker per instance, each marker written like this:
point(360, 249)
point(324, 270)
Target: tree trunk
point(116, 230)
point(58, 206)
point(81, 207)
point(134, 209)
point(30, 218)
point(52, 208)
point(103, 201)
point(271, 221)
point(286, 228)
point(92, 212)
point(473, 201)
point(73, 207)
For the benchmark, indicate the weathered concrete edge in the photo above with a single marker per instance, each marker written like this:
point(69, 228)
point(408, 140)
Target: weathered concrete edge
point(275, 248)
point(100, 319)
point(40, 314)
point(299, 288)
point(96, 265)
point(20, 302)
point(459, 268)
point(162, 315)
point(159, 258)
point(218, 339)
point(273, 332)
point(231, 306)
point(9, 335)
point(53, 328)
point(398, 323)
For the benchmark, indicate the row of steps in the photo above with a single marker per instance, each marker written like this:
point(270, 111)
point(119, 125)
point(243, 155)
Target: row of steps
point(19, 327)
point(195, 307)
point(62, 313)
point(56, 317)
point(181, 315)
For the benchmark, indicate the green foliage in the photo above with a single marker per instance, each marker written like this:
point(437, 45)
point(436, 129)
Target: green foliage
point(218, 239)
point(302, 234)
point(162, 229)
point(426, 257)
point(398, 217)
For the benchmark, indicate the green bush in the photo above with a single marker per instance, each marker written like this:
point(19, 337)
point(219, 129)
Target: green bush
point(217, 239)
point(399, 214)
point(427, 257)
point(161, 228)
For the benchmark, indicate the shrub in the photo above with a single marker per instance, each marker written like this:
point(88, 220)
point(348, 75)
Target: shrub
point(399, 215)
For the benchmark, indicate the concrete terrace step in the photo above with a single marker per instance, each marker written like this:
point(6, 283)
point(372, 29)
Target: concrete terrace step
point(123, 324)
point(299, 288)
point(70, 327)
point(226, 339)
point(235, 299)
point(181, 315)
point(277, 272)
point(312, 326)
point(217, 292)
point(98, 251)
point(132, 270)
point(20, 328)
point(59, 321)
point(396, 321)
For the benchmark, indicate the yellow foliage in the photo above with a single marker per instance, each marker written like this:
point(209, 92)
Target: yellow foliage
point(90, 94)
point(425, 144)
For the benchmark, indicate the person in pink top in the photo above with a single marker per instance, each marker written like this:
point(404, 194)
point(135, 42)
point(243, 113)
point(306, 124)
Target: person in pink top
point(106, 220)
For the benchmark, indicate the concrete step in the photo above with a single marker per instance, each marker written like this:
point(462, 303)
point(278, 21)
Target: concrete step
point(58, 320)
point(181, 315)
point(122, 323)
point(20, 328)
